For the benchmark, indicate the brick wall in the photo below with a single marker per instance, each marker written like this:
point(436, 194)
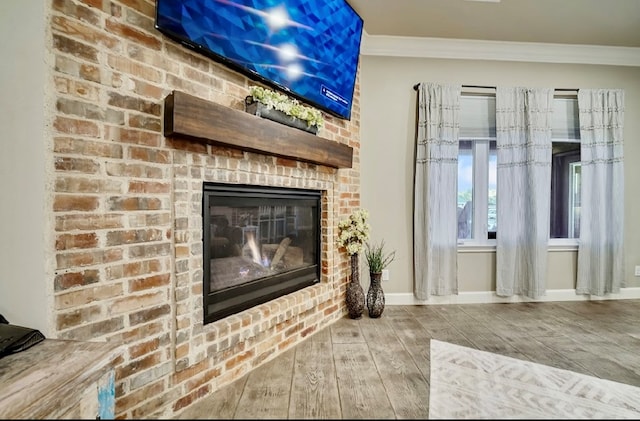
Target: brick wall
point(126, 204)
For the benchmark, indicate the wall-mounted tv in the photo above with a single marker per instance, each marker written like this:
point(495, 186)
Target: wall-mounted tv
point(309, 49)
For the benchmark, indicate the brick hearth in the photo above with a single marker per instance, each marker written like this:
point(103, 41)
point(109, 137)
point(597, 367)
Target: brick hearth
point(127, 201)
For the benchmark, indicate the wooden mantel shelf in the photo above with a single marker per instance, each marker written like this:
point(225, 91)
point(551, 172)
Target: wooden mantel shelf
point(205, 121)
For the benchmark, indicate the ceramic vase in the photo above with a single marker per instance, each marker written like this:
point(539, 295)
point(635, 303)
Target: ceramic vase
point(375, 295)
point(355, 297)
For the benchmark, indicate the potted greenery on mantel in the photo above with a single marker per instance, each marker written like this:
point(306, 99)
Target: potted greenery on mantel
point(278, 107)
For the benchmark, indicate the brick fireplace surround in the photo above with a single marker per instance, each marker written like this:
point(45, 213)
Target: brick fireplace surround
point(126, 206)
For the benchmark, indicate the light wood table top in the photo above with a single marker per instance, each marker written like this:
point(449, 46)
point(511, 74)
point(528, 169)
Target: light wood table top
point(42, 381)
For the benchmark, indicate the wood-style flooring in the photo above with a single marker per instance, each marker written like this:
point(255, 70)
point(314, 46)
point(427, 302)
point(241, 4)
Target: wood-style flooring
point(379, 368)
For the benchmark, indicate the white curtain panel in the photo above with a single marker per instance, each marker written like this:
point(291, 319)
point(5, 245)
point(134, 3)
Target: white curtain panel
point(523, 138)
point(601, 248)
point(435, 191)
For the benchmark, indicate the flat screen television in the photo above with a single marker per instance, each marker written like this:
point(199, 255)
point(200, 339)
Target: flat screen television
point(309, 49)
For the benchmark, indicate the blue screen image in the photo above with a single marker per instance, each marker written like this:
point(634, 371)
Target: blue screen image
point(307, 48)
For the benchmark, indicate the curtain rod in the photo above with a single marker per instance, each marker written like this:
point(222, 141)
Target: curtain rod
point(417, 85)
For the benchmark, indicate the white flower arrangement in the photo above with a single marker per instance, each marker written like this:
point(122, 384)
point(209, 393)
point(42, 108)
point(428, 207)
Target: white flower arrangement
point(354, 232)
point(290, 106)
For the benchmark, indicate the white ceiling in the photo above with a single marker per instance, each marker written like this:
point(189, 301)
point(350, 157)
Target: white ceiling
point(586, 22)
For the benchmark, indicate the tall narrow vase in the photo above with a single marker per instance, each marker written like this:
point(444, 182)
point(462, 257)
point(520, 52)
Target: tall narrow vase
point(355, 298)
point(375, 295)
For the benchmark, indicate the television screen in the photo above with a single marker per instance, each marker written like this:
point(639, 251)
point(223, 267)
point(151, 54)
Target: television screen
point(307, 48)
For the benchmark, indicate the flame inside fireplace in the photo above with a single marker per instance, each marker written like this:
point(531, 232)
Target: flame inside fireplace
point(256, 256)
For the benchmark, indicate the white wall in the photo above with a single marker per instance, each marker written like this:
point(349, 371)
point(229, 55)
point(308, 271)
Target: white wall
point(22, 165)
point(388, 103)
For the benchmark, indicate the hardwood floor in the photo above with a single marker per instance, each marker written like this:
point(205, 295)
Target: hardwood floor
point(379, 368)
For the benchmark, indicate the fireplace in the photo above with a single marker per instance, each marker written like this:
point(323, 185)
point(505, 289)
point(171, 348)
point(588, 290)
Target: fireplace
point(260, 243)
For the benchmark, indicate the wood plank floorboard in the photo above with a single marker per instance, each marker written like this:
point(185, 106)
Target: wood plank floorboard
point(405, 385)
point(314, 391)
point(267, 390)
point(411, 334)
point(362, 394)
point(379, 368)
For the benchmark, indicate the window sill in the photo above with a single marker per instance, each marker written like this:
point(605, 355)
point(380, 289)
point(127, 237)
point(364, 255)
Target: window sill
point(473, 247)
point(568, 244)
point(555, 245)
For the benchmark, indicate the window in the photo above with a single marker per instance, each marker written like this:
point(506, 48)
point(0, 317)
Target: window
point(477, 158)
point(477, 189)
point(565, 170)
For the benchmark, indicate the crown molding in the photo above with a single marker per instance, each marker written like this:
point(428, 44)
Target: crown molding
point(466, 49)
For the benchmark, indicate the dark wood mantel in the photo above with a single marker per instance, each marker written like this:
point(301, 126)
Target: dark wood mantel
point(205, 121)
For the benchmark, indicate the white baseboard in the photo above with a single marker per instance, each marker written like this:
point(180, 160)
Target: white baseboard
point(484, 297)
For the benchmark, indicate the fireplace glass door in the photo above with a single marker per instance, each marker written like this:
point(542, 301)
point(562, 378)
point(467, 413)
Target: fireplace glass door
point(259, 243)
